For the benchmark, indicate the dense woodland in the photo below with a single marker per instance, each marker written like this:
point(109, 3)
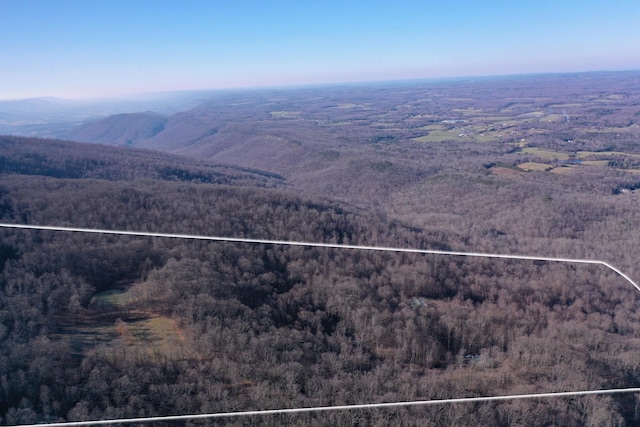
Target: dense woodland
point(96, 327)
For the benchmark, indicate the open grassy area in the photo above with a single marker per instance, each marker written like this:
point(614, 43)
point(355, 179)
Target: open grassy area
point(111, 297)
point(481, 132)
point(286, 114)
point(347, 105)
point(586, 154)
point(545, 154)
point(596, 162)
point(157, 336)
point(563, 170)
point(554, 118)
point(597, 159)
point(441, 135)
point(567, 105)
point(531, 114)
point(500, 122)
point(483, 127)
point(111, 317)
point(532, 166)
point(485, 137)
point(470, 111)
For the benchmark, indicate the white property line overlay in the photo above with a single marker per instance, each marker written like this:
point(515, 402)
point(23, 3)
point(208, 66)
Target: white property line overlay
point(334, 246)
point(336, 408)
point(322, 245)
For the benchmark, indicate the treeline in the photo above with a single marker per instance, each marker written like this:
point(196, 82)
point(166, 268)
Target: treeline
point(261, 326)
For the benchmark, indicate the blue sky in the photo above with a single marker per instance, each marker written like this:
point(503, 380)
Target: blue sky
point(89, 48)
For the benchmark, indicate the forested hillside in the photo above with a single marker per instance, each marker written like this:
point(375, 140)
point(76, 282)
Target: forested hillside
point(96, 327)
point(71, 160)
point(121, 129)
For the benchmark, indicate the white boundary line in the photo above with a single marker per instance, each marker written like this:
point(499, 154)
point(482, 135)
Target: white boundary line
point(336, 408)
point(322, 245)
point(335, 246)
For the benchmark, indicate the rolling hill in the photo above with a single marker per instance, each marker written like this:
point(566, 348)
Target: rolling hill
point(119, 129)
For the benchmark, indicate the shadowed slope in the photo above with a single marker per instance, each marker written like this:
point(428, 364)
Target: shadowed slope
point(119, 129)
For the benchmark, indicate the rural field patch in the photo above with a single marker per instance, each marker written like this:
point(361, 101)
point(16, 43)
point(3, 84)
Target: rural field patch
point(533, 166)
point(286, 114)
point(586, 154)
point(595, 162)
point(440, 136)
point(554, 118)
point(110, 321)
point(545, 154)
point(563, 170)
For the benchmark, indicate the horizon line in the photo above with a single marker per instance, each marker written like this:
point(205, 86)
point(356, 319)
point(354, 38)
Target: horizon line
point(294, 86)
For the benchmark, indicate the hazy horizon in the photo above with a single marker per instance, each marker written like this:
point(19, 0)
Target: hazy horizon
point(178, 92)
point(84, 50)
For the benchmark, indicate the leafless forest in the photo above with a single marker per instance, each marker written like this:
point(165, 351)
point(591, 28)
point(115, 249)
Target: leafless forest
point(97, 327)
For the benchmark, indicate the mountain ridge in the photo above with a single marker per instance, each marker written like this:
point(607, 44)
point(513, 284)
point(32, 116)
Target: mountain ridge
point(124, 129)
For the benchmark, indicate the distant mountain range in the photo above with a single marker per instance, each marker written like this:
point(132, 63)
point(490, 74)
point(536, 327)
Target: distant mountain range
point(119, 129)
point(50, 117)
point(72, 160)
